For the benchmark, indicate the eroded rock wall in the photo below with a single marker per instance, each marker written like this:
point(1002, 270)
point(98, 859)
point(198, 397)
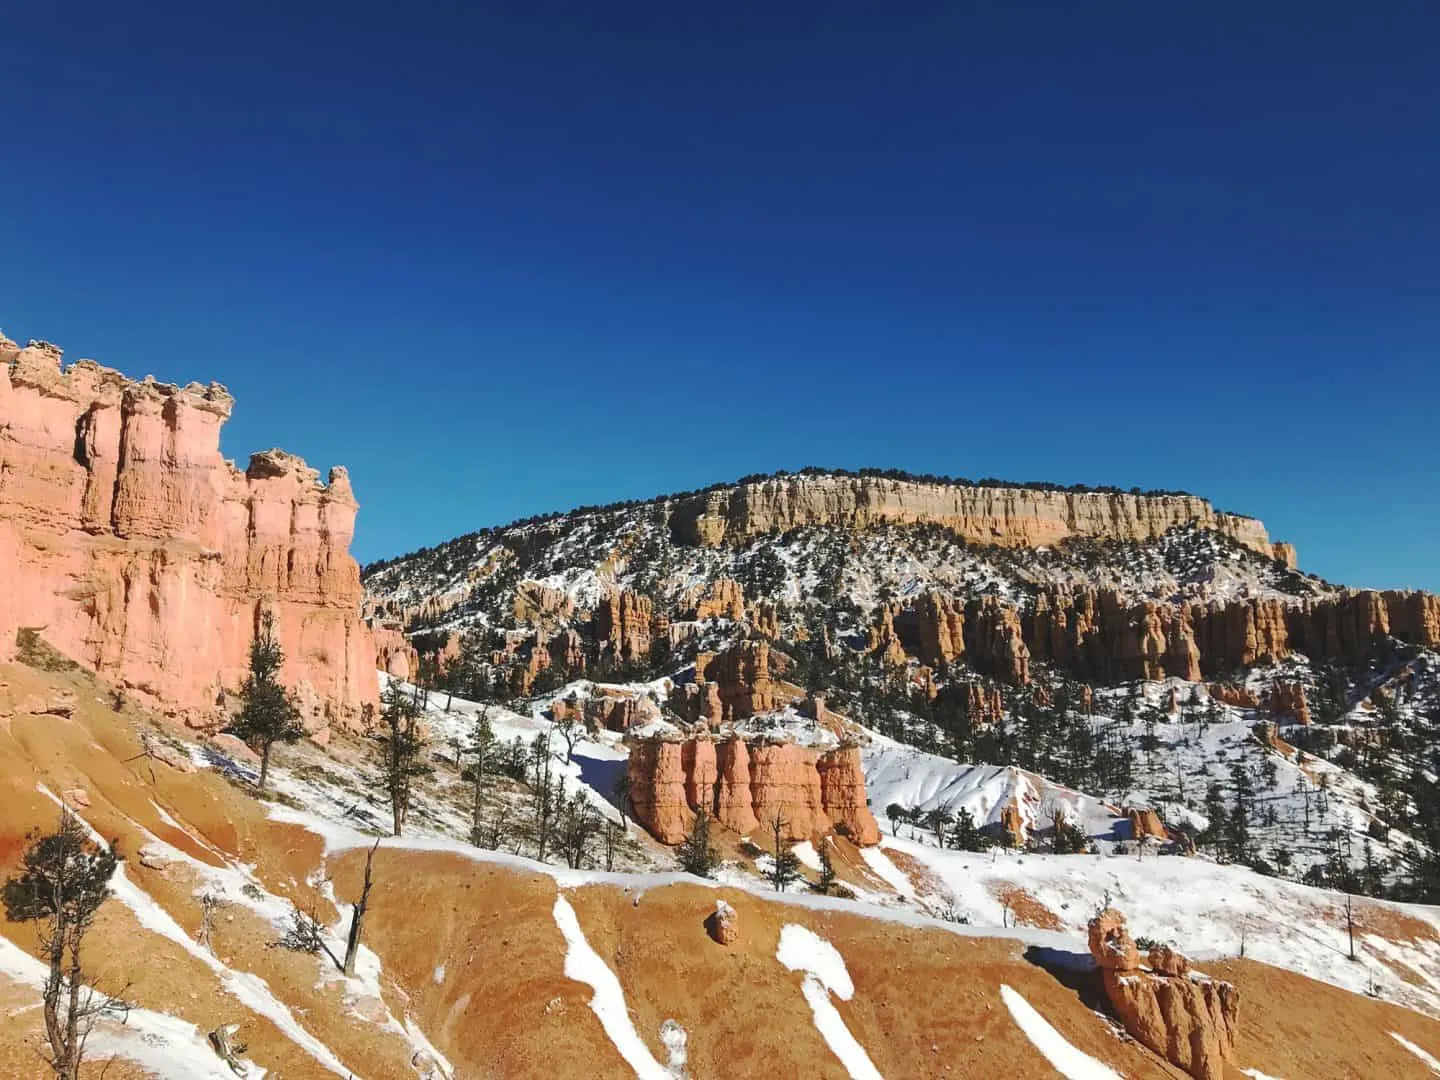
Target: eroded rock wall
point(1012, 517)
point(746, 786)
point(1100, 636)
point(133, 547)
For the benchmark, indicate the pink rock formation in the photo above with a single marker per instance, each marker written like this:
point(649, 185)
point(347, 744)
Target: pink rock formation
point(723, 924)
point(657, 789)
point(1288, 702)
point(746, 787)
point(723, 598)
point(623, 625)
point(733, 802)
point(1185, 1017)
point(842, 790)
point(135, 549)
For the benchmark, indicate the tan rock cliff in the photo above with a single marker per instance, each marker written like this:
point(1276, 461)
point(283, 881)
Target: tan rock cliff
point(1012, 517)
point(137, 550)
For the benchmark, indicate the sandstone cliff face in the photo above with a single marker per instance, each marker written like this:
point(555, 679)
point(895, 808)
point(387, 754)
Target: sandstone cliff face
point(1012, 517)
point(1185, 1017)
point(1099, 636)
point(624, 625)
point(137, 550)
point(746, 786)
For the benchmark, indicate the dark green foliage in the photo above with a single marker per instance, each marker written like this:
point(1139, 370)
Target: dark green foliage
point(826, 883)
point(784, 868)
point(964, 836)
point(402, 749)
point(696, 854)
point(268, 714)
point(64, 879)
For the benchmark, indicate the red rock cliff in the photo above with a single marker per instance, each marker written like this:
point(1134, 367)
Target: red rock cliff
point(134, 548)
point(746, 786)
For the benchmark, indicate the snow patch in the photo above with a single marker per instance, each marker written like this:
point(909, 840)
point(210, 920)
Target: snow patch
point(1067, 1060)
point(825, 974)
point(1425, 1056)
point(583, 964)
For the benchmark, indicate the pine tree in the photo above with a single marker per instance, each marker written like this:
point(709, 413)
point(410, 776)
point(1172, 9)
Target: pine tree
point(482, 739)
point(268, 714)
point(695, 854)
point(403, 746)
point(785, 869)
point(827, 870)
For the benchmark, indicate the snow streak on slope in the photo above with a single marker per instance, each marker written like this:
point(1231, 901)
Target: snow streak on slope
point(164, 1045)
point(825, 974)
point(583, 964)
point(252, 991)
point(1428, 1058)
point(1068, 1061)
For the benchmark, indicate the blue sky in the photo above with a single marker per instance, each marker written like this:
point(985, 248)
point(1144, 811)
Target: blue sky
point(505, 261)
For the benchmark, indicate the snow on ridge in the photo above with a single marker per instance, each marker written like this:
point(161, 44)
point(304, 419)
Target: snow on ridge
point(1069, 1062)
point(583, 964)
point(803, 950)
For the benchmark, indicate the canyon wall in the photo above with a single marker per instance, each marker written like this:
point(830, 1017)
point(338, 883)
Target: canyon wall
point(1099, 636)
point(746, 785)
point(131, 546)
point(1012, 517)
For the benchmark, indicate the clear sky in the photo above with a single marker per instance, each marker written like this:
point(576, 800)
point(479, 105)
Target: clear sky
point(502, 259)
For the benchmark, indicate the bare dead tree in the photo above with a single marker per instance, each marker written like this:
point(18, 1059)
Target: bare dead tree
point(573, 731)
point(357, 914)
point(210, 904)
point(64, 879)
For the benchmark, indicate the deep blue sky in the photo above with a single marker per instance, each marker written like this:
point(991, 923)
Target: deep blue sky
point(511, 260)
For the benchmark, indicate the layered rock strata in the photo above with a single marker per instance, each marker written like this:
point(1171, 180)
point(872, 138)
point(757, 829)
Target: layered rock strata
point(1008, 516)
point(748, 785)
point(1101, 637)
point(133, 547)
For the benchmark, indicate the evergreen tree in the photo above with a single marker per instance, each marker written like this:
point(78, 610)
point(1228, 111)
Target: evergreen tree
point(403, 747)
point(1218, 829)
point(64, 879)
point(827, 870)
point(965, 836)
point(785, 870)
point(268, 714)
point(696, 854)
point(482, 740)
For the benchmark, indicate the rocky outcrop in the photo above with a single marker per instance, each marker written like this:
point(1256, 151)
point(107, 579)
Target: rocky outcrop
point(995, 640)
point(1287, 702)
point(656, 773)
point(1145, 824)
point(1099, 636)
point(542, 605)
point(623, 624)
point(723, 924)
point(744, 677)
point(1011, 517)
point(133, 547)
point(747, 786)
point(720, 599)
point(842, 793)
point(1187, 1018)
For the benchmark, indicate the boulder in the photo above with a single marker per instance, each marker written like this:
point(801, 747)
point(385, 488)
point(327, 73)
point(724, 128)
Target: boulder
point(723, 924)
